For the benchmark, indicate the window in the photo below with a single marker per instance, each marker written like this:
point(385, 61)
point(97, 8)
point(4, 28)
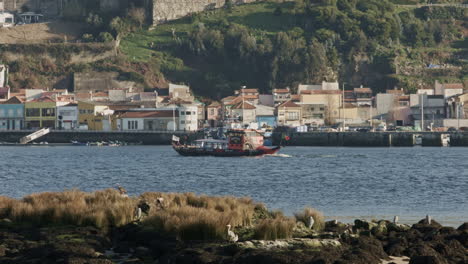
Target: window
point(48, 112)
point(188, 113)
point(212, 111)
point(182, 113)
point(33, 112)
point(292, 115)
point(9, 20)
point(194, 113)
point(322, 108)
point(2, 112)
point(182, 122)
point(10, 112)
point(19, 112)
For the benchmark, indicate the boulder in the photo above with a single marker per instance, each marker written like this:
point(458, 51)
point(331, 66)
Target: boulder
point(425, 260)
point(463, 227)
point(364, 225)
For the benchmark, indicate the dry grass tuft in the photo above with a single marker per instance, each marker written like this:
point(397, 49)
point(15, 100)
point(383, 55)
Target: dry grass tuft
point(319, 220)
point(72, 207)
point(277, 228)
point(192, 217)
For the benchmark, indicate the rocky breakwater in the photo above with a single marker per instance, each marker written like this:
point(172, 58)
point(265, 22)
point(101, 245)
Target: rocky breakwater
point(109, 227)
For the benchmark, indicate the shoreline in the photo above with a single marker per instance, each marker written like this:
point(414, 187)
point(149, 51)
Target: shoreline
point(107, 226)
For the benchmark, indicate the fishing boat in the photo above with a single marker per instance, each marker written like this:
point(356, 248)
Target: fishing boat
point(239, 142)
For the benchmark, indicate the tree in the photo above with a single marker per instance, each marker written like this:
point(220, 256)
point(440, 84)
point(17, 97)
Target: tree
point(137, 15)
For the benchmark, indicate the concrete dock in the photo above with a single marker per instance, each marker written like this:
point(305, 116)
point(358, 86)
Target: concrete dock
point(331, 139)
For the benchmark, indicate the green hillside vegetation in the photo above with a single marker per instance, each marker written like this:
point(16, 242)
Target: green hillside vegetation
point(264, 45)
point(268, 45)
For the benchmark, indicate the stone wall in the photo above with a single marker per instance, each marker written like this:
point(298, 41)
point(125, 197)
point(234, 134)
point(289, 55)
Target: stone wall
point(166, 10)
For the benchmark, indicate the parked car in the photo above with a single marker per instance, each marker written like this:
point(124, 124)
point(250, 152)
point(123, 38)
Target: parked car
point(363, 129)
point(452, 129)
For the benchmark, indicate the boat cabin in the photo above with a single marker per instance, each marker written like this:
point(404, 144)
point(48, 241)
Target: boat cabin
point(210, 144)
point(244, 139)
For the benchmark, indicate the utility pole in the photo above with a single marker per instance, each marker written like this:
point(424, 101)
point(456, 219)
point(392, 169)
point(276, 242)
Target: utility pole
point(342, 109)
point(422, 112)
point(173, 116)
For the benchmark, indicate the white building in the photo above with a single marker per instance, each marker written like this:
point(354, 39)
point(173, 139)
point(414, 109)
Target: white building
point(188, 117)
point(6, 19)
point(67, 117)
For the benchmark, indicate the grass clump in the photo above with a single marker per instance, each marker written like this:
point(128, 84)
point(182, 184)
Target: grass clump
point(101, 209)
point(304, 216)
point(279, 227)
point(191, 217)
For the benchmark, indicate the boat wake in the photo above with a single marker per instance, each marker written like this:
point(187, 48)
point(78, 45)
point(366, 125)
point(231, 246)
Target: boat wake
point(279, 155)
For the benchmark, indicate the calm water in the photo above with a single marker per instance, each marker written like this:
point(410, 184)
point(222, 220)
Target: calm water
point(344, 183)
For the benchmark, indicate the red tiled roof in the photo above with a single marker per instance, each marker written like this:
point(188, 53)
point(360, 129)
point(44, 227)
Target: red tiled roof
point(289, 103)
point(101, 94)
point(453, 85)
point(362, 90)
point(214, 104)
point(244, 105)
point(395, 91)
point(280, 91)
point(149, 114)
point(249, 90)
point(250, 97)
point(82, 95)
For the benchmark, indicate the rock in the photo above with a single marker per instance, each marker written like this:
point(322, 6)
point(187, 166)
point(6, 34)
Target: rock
point(292, 244)
point(463, 227)
point(364, 225)
point(2, 250)
point(380, 229)
point(142, 252)
point(397, 227)
point(425, 260)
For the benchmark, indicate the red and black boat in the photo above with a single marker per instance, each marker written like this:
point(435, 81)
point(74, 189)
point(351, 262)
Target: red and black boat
point(239, 142)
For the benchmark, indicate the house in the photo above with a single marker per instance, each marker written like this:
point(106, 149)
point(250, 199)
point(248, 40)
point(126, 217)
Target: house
point(40, 113)
point(358, 115)
point(67, 116)
point(394, 107)
point(265, 116)
point(281, 95)
point(332, 99)
point(12, 114)
point(249, 95)
point(214, 114)
point(94, 115)
point(156, 120)
point(431, 106)
point(266, 99)
point(448, 89)
point(244, 112)
point(180, 91)
point(313, 114)
point(7, 19)
point(289, 114)
point(325, 86)
point(363, 96)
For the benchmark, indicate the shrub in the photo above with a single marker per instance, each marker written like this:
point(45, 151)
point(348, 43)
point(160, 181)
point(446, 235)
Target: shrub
point(272, 229)
point(106, 37)
point(319, 222)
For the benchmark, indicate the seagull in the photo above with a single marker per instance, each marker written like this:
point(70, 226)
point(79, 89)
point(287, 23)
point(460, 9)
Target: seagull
point(122, 191)
point(138, 213)
point(231, 235)
point(310, 222)
point(160, 202)
point(395, 219)
point(428, 219)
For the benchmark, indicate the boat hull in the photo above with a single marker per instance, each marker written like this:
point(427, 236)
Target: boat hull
point(189, 151)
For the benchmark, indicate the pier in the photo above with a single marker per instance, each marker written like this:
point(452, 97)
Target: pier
point(328, 139)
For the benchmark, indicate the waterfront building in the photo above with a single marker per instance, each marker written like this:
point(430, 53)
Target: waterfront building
point(67, 117)
point(289, 114)
point(12, 114)
point(325, 86)
point(180, 92)
point(214, 114)
point(94, 115)
point(432, 107)
point(152, 120)
point(40, 113)
point(245, 113)
point(332, 99)
point(313, 114)
point(188, 117)
point(281, 95)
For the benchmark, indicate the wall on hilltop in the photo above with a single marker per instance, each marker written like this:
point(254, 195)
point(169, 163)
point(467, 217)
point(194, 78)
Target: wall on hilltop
point(166, 10)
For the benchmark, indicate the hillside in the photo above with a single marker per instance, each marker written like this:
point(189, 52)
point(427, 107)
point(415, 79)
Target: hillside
point(264, 45)
point(269, 44)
